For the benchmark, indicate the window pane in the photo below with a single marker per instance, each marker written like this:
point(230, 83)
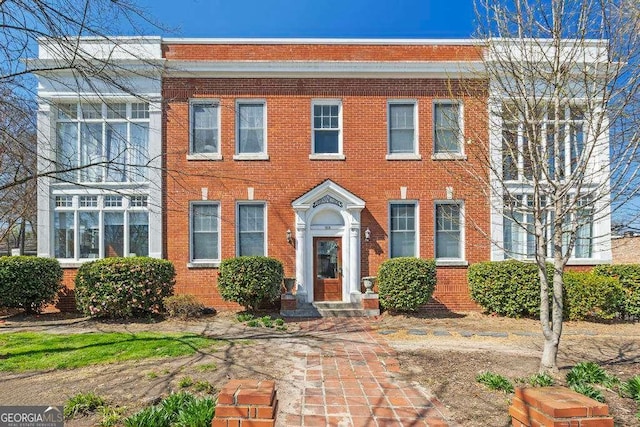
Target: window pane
point(91, 111)
point(63, 231)
point(584, 234)
point(448, 231)
point(204, 136)
point(91, 152)
point(251, 230)
point(401, 128)
point(67, 152)
point(116, 148)
point(205, 232)
point(510, 153)
point(113, 234)
point(139, 151)
point(139, 233)
point(251, 128)
point(447, 128)
point(116, 111)
point(403, 235)
point(89, 234)
point(326, 141)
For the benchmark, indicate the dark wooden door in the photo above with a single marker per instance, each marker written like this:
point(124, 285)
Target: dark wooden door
point(327, 269)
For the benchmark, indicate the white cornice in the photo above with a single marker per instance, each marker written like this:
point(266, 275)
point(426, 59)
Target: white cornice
point(328, 41)
point(285, 69)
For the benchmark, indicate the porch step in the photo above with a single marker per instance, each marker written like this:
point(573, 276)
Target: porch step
point(330, 309)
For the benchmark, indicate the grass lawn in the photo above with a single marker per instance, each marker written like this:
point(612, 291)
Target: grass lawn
point(26, 351)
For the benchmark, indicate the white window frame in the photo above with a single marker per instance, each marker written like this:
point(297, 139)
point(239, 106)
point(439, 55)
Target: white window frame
point(100, 209)
point(204, 262)
point(204, 156)
point(263, 155)
point(416, 211)
point(461, 260)
point(237, 225)
point(440, 155)
point(327, 156)
point(415, 155)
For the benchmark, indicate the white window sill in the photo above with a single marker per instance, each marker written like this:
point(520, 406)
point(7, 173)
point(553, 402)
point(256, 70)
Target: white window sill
point(451, 263)
point(404, 156)
point(73, 264)
point(204, 156)
point(448, 156)
point(198, 264)
point(327, 156)
point(586, 261)
point(252, 156)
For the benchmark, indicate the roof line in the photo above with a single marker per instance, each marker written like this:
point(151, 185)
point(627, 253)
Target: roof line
point(337, 41)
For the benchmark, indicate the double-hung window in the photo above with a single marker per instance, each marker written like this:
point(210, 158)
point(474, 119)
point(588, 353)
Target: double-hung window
point(251, 229)
point(449, 231)
point(205, 232)
point(204, 128)
point(403, 230)
point(447, 128)
point(327, 128)
point(102, 142)
point(251, 129)
point(402, 129)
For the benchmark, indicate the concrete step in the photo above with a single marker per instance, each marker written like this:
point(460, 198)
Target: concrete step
point(330, 309)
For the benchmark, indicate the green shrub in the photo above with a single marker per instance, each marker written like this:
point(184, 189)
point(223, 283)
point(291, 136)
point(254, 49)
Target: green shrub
point(250, 280)
point(29, 282)
point(508, 288)
point(589, 391)
point(495, 382)
point(82, 404)
point(178, 409)
point(631, 388)
point(629, 276)
point(183, 306)
point(591, 295)
point(406, 283)
point(123, 287)
point(540, 380)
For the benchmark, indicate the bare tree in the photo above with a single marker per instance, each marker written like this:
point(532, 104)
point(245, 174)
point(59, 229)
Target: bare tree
point(564, 83)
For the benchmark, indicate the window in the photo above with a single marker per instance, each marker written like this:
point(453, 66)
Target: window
point(205, 232)
point(447, 127)
point(251, 127)
point(541, 131)
point(327, 127)
point(205, 127)
point(251, 229)
point(403, 230)
point(402, 127)
point(89, 231)
point(448, 231)
point(99, 142)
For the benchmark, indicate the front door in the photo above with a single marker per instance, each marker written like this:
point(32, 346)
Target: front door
point(327, 269)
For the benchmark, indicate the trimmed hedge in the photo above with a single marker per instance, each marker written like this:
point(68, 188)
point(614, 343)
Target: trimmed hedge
point(406, 283)
point(29, 282)
point(629, 276)
point(183, 306)
point(588, 295)
point(508, 288)
point(123, 287)
point(250, 280)
point(512, 288)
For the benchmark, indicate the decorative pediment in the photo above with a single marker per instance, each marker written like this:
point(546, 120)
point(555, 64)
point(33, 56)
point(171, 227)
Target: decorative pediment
point(328, 193)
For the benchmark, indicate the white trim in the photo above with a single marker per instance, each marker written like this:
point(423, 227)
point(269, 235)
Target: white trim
point(204, 262)
point(261, 155)
point(262, 203)
point(215, 155)
point(461, 260)
point(327, 41)
point(416, 214)
point(327, 156)
point(448, 156)
point(443, 155)
point(416, 136)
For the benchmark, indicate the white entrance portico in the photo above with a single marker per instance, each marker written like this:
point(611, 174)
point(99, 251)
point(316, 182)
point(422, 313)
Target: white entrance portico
point(328, 211)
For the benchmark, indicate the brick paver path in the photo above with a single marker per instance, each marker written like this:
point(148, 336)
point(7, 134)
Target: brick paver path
point(351, 379)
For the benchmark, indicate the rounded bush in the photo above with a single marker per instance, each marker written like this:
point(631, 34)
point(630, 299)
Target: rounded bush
point(123, 287)
point(183, 306)
point(29, 282)
point(588, 295)
point(406, 283)
point(250, 280)
point(629, 277)
point(508, 288)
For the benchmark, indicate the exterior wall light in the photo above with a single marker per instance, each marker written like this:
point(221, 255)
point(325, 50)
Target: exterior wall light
point(289, 239)
point(367, 235)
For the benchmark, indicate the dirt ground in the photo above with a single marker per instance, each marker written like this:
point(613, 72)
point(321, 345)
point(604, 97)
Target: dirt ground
point(445, 364)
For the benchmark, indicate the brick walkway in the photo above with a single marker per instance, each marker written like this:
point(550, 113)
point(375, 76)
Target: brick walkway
point(351, 379)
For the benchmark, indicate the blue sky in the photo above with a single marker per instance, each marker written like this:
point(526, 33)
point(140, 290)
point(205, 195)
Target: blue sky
point(319, 18)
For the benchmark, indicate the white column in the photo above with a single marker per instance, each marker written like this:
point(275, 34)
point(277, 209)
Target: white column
point(46, 156)
point(354, 259)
